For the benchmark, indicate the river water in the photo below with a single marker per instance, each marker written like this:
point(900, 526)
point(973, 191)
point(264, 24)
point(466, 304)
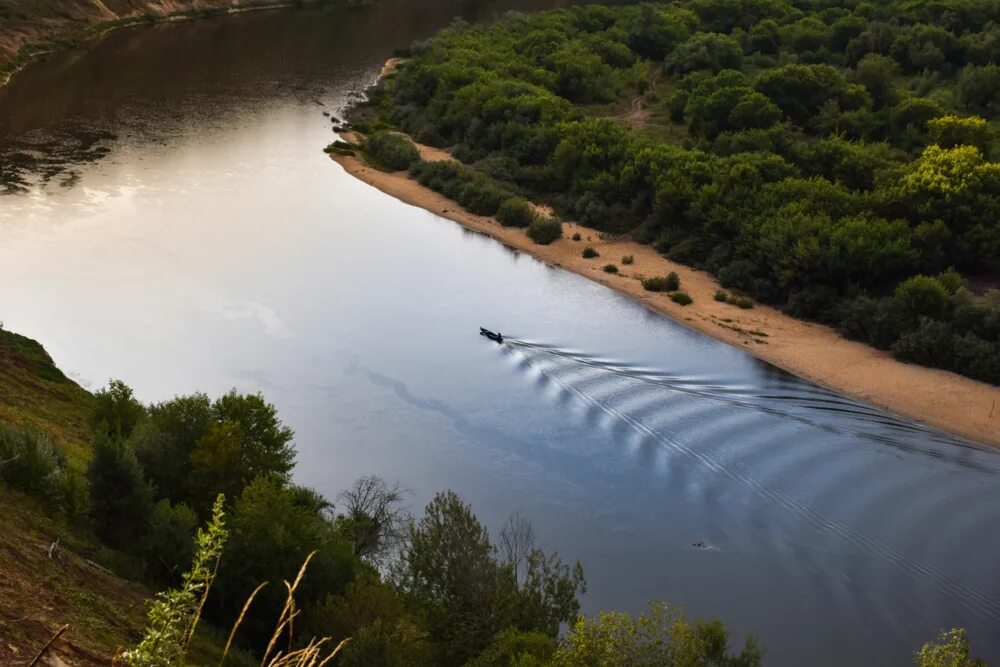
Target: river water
point(170, 219)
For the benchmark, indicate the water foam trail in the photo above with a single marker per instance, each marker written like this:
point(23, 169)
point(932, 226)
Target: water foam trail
point(823, 401)
point(966, 594)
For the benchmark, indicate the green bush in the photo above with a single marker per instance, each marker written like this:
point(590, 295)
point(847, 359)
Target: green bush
point(544, 230)
point(743, 302)
point(391, 150)
point(655, 284)
point(721, 295)
point(590, 253)
point(515, 212)
point(576, 236)
point(628, 259)
point(673, 281)
point(30, 464)
point(683, 298)
point(610, 268)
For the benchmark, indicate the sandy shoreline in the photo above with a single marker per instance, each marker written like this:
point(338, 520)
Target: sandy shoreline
point(812, 351)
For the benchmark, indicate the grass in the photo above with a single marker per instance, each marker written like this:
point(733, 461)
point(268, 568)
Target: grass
point(35, 394)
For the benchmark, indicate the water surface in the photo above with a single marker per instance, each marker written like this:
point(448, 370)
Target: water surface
point(171, 220)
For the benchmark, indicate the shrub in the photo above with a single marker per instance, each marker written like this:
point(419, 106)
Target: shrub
point(391, 150)
point(121, 501)
point(576, 236)
point(590, 253)
point(610, 268)
point(544, 230)
point(743, 302)
point(655, 284)
point(29, 463)
point(673, 281)
point(628, 259)
point(683, 298)
point(515, 212)
point(720, 295)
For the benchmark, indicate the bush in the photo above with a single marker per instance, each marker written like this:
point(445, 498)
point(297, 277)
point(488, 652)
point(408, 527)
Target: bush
point(121, 501)
point(610, 268)
point(720, 295)
point(576, 236)
point(655, 284)
point(743, 302)
point(29, 463)
point(590, 253)
point(168, 545)
point(673, 281)
point(544, 230)
point(391, 150)
point(628, 259)
point(683, 298)
point(515, 212)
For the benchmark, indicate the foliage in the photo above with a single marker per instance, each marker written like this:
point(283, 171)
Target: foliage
point(545, 230)
point(391, 150)
point(471, 590)
point(30, 464)
point(590, 253)
point(951, 650)
point(516, 212)
point(173, 615)
point(373, 517)
point(121, 500)
point(628, 259)
point(610, 268)
point(167, 544)
point(721, 295)
point(682, 298)
point(116, 411)
point(813, 157)
point(661, 636)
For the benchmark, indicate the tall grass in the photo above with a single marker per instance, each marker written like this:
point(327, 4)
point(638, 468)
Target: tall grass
point(174, 614)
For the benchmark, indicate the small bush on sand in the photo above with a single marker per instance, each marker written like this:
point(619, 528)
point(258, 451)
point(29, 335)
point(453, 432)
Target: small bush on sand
point(673, 281)
point(743, 302)
point(628, 259)
point(545, 230)
point(610, 268)
point(515, 212)
point(577, 237)
point(655, 284)
point(391, 150)
point(590, 253)
point(720, 295)
point(683, 298)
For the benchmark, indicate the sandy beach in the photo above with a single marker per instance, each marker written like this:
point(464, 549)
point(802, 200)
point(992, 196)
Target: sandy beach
point(812, 351)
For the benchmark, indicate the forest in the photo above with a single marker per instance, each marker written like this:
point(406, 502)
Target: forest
point(836, 159)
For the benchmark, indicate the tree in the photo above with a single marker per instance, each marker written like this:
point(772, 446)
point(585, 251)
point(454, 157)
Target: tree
point(164, 442)
point(273, 527)
point(661, 636)
point(116, 411)
point(373, 516)
point(979, 89)
point(951, 131)
point(167, 545)
point(657, 31)
point(951, 650)
point(121, 501)
point(705, 51)
point(877, 74)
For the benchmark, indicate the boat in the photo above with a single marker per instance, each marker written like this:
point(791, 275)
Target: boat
point(498, 337)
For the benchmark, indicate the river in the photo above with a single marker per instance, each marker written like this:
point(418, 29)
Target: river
point(170, 219)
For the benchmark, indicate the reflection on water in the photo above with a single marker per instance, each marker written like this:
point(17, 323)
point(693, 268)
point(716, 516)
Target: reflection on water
point(173, 221)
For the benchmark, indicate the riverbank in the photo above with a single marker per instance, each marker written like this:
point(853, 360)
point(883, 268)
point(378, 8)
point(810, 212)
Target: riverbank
point(812, 351)
point(21, 42)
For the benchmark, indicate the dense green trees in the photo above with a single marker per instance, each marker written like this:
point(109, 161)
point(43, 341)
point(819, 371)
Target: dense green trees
point(812, 157)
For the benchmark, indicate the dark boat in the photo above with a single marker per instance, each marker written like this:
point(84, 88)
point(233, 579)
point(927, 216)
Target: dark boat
point(498, 337)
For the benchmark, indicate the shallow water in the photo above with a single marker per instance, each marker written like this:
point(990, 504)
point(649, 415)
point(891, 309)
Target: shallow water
point(172, 221)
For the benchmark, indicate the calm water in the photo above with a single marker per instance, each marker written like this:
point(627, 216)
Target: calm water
point(171, 220)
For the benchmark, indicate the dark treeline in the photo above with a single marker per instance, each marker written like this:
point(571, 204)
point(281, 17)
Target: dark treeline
point(438, 589)
point(833, 158)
